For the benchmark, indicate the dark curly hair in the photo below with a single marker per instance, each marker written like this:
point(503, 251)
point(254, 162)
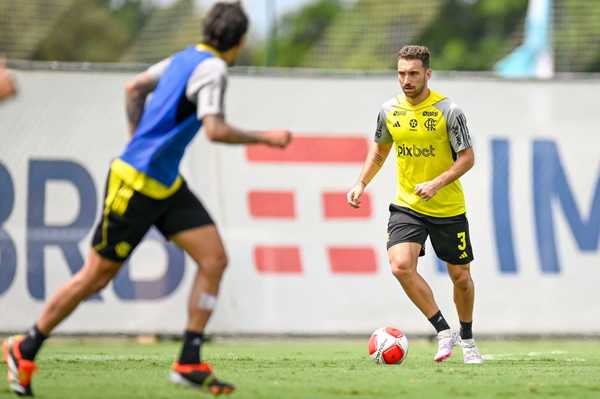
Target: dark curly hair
point(415, 53)
point(225, 25)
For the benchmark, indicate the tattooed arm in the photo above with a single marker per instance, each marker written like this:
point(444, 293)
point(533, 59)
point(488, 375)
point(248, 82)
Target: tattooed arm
point(136, 92)
point(138, 88)
point(375, 159)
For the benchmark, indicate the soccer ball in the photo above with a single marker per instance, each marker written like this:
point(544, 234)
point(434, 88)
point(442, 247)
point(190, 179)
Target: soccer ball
point(388, 345)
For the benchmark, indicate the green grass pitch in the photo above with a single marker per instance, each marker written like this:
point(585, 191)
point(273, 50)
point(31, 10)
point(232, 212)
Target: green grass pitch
point(319, 368)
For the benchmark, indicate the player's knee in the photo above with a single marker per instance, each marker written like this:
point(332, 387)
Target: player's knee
point(214, 266)
point(461, 280)
point(402, 267)
point(101, 283)
point(219, 262)
point(101, 274)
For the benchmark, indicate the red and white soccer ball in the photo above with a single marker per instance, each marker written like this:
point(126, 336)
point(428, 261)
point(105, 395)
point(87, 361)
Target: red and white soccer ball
point(388, 345)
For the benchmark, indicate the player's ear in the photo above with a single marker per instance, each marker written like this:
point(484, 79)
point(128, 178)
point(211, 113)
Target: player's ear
point(428, 73)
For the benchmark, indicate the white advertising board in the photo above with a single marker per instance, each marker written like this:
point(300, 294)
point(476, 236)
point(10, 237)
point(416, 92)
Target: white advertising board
point(301, 261)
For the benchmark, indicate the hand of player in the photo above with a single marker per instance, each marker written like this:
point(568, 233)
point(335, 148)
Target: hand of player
point(7, 84)
point(353, 196)
point(279, 138)
point(426, 190)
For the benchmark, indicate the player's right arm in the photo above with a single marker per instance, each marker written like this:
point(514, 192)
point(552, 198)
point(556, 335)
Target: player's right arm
point(138, 88)
point(375, 158)
point(218, 130)
point(206, 88)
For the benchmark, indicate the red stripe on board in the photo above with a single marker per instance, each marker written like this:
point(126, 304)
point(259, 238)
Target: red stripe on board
point(335, 206)
point(313, 149)
point(271, 204)
point(352, 260)
point(277, 259)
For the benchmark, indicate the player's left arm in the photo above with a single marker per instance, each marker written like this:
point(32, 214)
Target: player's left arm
point(464, 162)
point(138, 88)
point(460, 140)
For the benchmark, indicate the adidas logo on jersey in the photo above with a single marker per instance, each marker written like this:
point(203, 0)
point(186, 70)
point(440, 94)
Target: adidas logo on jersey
point(397, 124)
point(463, 255)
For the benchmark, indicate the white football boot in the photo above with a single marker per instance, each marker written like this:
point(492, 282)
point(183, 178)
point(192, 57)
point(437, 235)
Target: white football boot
point(447, 339)
point(471, 353)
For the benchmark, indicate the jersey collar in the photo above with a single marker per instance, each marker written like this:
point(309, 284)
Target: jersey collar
point(433, 98)
point(210, 49)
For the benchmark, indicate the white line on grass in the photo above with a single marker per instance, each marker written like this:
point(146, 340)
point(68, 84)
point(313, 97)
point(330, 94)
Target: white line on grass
point(517, 356)
point(104, 358)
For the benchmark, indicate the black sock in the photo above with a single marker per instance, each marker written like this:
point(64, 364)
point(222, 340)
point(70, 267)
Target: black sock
point(438, 322)
point(32, 343)
point(466, 330)
point(192, 342)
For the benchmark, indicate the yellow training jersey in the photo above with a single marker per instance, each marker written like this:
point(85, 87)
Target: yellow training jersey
point(426, 138)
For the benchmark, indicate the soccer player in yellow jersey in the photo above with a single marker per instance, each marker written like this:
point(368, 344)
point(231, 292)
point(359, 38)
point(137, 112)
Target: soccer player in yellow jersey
point(433, 149)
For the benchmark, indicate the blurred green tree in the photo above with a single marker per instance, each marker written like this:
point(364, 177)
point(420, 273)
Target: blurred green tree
point(333, 34)
point(23, 24)
point(462, 35)
point(93, 30)
point(367, 33)
point(167, 30)
point(299, 31)
point(469, 35)
point(577, 36)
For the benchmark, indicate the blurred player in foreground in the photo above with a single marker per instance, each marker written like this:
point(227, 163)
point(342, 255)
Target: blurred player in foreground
point(144, 189)
point(7, 83)
point(430, 137)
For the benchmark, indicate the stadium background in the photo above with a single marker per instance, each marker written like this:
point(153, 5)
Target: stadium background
point(301, 262)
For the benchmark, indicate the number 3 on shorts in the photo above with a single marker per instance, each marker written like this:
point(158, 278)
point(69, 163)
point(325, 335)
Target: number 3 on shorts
point(463, 241)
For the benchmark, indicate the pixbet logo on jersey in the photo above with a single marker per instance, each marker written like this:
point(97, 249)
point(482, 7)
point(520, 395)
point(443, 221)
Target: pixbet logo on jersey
point(414, 151)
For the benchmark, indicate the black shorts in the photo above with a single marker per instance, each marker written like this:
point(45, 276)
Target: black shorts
point(449, 236)
point(128, 215)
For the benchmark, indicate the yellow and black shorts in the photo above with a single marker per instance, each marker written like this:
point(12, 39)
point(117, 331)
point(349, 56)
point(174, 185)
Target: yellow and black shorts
point(449, 236)
point(128, 215)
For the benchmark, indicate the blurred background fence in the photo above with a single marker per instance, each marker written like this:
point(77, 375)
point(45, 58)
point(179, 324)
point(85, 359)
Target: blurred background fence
point(468, 35)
